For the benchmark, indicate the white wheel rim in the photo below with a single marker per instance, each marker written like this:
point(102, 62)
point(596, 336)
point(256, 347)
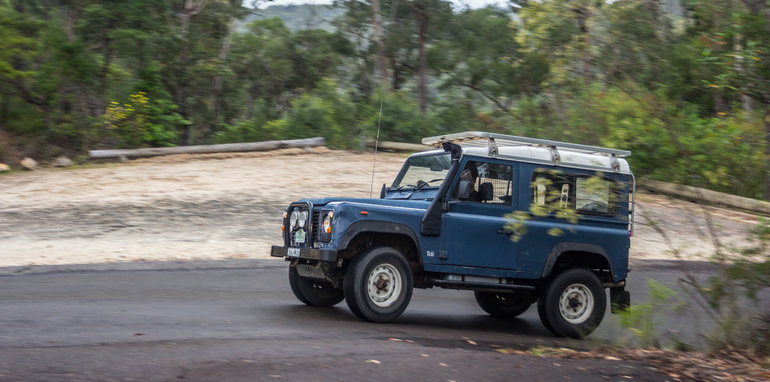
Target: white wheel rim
point(384, 285)
point(576, 303)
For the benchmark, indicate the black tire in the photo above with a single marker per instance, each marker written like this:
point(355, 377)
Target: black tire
point(312, 292)
point(573, 304)
point(378, 285)
point(543, 317)
point(504, 305)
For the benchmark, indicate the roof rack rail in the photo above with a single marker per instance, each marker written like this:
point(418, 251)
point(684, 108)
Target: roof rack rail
point(493, 141)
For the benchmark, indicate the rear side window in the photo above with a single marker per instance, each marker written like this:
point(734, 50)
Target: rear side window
point(586, 194)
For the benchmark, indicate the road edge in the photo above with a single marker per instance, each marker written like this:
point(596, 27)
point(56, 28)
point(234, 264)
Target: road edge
point(179, 265)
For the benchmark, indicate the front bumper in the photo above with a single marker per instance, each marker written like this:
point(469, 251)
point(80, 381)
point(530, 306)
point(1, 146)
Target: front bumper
point(329, 255)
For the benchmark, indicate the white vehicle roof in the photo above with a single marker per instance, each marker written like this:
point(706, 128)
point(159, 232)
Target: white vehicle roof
point(534, 150)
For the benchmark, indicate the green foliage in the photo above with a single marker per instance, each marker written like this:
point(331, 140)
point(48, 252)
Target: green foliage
point(644, 319)
point(401, 119)
point(683, 87)
point(252, 130)
point(142, 121)
point(643, 122)
point(327, 112)
point(18, 43)
point(517, 224)
point(298, 17)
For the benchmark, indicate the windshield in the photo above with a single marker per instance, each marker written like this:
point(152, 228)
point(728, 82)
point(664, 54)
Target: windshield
point(423, 171)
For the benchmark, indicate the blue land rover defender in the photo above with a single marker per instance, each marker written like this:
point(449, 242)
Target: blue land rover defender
point(447, 221)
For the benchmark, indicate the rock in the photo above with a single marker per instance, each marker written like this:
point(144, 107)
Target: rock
point(62, 161)
point(29, 163)
point(4, 167)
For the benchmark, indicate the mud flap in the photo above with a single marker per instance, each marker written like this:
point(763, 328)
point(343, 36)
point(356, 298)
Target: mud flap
point(620, 300)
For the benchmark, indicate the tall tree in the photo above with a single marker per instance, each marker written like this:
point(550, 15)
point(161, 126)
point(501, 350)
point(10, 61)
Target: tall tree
point(475, 55)
point(425, 11)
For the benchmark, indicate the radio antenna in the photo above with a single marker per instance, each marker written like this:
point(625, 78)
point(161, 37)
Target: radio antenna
point(376, 143)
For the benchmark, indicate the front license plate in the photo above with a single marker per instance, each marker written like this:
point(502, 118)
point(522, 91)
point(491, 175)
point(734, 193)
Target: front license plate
point(293, 252)
point(299, 236)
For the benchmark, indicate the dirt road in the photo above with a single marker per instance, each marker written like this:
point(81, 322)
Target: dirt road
point(219, 206)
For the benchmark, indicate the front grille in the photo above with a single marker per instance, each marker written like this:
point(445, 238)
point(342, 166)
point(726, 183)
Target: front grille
point(309, 227)
point(315, 223)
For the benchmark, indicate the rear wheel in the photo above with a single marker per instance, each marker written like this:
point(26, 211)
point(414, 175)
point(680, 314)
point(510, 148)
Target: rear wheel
point(378, 285)
point(313, 292)
point(504, 305)
point(573, 304)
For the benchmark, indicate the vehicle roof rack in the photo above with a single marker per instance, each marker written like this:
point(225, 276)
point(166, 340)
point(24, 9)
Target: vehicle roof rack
point(493, 141)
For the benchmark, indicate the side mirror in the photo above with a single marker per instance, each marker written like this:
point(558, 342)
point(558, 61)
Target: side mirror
point(383, 191)
point(448, 204)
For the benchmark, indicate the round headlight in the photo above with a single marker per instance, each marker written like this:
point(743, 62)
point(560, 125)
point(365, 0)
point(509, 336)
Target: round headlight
point(302, 218)
point(293, 219)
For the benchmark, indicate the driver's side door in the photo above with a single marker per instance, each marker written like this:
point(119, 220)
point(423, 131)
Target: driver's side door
point(473, 231)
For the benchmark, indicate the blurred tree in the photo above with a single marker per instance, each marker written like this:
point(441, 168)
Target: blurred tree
point(262, 60)
point(19, 47)
point(315, 54)
point(192, 69)
point(426, 12)
point(476, 56)
point(683, 83)
point(407, 30)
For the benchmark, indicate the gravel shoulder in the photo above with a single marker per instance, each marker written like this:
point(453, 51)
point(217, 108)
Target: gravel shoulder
point(228, 206)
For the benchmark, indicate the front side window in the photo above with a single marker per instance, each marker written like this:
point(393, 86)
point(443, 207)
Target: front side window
point(483, 182)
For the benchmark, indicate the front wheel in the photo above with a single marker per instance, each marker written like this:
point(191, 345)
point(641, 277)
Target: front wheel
point(504, 305)
point(378, 285)
point(573, 304)
point(314, 293)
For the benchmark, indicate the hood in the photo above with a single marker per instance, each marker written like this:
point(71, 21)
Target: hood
point(379, 202)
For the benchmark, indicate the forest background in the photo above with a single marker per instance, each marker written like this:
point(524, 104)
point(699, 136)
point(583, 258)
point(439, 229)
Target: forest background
point(684, 84)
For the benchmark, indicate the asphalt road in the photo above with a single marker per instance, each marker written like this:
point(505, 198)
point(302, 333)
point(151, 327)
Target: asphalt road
point(238, 321)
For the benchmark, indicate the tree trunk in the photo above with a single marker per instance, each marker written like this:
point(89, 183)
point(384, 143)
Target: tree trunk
point(49, 124)
point(738, 64)
point(396, 79)
point(218, 80)
point(583, 15)
point(191, 9)
point(561, 112)
point(19, 5)
point(73, 13)
point(3, 111)
point(767, 151)
point(378, 35)
point(755, 6)
point(422, 28)
point(719, 102)
point(105, 71)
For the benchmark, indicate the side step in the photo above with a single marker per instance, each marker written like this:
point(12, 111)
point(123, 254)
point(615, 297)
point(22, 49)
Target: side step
point(491, 284)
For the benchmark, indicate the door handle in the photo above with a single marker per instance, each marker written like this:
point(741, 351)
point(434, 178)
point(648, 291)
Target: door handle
point(505, 232)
